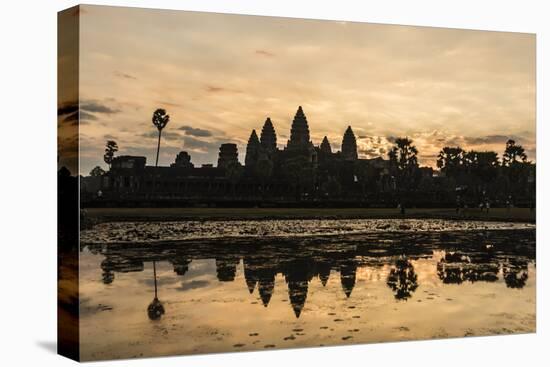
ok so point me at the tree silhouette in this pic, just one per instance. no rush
(160, 120)
(97, 171)
(516, 168)
(110, 149)
(515, 274)
(404, 162)
(402, 279)
(450, 160)
(403, 154)
(512, 153)
(483, 165)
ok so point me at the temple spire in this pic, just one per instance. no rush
(252, 149)
(265, 289)
(299, 133)
(325, 146)
(268, 138)
(349, 145)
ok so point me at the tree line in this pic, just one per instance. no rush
(476, 171)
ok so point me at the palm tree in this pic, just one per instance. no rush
(403, 155)
(160, 120)
(402, 279)
(515, 167)
(450, 160)
(404, 164)
(483, 165)
(513, 153)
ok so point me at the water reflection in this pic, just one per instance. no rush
(155, 310)
(515, 273)
(402, 279)
(461, 258)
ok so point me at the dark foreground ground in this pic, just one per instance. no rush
(169, 214)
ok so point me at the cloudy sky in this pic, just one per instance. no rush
(220, 76)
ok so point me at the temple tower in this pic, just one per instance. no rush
(265, 289)
(226, 268)
(299, 133)
(228, 155)
(349, 145)
(325, 146)
(252, 149)
(268, 138)
(183, 160)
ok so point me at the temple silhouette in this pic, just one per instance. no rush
(299, 173)
(303, 174)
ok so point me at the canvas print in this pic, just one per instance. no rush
(234, 183)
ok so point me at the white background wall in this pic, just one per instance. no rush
(28, 181)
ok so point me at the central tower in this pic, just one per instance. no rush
(299, 133)
(268, 138)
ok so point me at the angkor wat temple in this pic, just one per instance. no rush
(300, 174)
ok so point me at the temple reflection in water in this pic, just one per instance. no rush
(483, 257)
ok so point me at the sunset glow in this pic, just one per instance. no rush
(220, 76)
